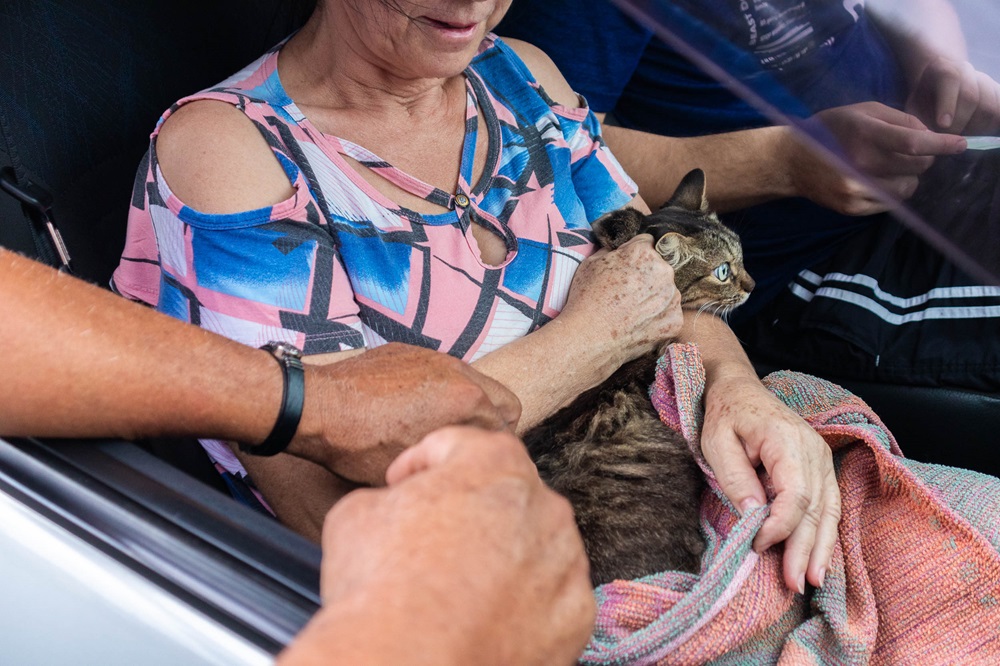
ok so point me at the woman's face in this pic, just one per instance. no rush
(420, 38)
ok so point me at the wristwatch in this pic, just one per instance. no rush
(293, 396)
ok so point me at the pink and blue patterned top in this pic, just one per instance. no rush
(340, 266)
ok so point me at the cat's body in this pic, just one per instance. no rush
(632, 481)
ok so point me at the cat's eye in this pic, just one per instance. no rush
(722, 272)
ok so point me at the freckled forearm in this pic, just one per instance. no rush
(720, 349)
(549, 368)
(106, 367)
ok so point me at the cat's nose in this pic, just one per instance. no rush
(748, 284)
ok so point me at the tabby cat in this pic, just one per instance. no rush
(632, 481)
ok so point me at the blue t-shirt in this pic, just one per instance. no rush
(822, 52)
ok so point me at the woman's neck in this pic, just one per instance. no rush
(327, 65)
(344, 90)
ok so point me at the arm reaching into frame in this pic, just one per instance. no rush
(466, 528)
(113, 368)
(117, 369)
(753, 166)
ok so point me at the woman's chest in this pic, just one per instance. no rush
(428, 283)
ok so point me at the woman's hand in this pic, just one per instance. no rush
(625, 300)
(620, 305)
(745, 426)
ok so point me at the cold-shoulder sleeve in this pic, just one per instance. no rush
(268, 274)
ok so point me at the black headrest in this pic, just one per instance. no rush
(82, 83)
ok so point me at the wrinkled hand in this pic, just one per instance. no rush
(891, 147)
(469, 550)
(954, 97)
(745, 426)
(362, 412)
(626, 298)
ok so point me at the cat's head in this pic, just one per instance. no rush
(706, 255)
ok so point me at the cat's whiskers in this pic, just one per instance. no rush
(727, 309)
(715, 305)
(722, 311)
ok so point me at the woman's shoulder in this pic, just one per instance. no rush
(538, 68)
(217, 161)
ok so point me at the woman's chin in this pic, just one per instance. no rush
(442, 64)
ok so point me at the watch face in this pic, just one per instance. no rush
(283, 349)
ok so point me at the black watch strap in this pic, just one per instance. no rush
(293, 397)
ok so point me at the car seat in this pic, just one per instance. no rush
(941, 425)
(82, 83)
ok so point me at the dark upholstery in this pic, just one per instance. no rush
(82, 83)
(946, 426)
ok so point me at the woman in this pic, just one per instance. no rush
(394, 172)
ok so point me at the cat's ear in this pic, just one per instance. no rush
(675, 248)
(618, 227)
(690, 194)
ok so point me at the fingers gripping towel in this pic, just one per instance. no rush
(915, 577)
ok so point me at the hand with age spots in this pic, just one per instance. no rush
(626, 299)
(745, 427)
